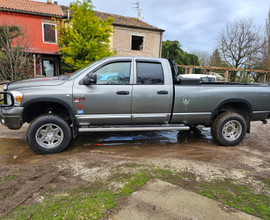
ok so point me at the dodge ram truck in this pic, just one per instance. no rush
(129, 94)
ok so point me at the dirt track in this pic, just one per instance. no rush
(24, 173)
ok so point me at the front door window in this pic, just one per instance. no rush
(114, 73)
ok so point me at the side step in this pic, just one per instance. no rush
(135, 128)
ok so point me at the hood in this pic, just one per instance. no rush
(53, 81)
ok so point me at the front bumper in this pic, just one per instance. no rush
(11, 117)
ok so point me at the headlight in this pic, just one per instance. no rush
(17, 98)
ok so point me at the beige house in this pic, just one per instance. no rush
(132, 37)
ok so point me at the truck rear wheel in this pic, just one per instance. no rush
(229, 129)
(48, 134)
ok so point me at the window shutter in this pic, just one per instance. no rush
(49, 33)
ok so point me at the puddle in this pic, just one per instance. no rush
(176, 144)
(196, 144)
(16, 151)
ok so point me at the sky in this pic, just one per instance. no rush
(194, 23)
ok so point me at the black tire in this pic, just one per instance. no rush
(48, 134)
(229, 129)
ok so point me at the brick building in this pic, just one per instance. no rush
(131, 36)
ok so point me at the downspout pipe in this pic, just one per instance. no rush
(160, 45)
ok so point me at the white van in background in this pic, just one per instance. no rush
(204, 78)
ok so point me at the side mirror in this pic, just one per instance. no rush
(90, 78)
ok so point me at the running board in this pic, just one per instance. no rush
(135, 128)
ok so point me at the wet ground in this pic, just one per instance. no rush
(187, 144)
(192, 150)
(196, 144)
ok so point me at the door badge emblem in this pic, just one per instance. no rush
(185, 100)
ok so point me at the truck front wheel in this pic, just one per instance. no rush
(229, 129)
(48, 134)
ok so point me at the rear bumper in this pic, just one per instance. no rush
(11, 117)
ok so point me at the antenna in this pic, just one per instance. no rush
(137, 8)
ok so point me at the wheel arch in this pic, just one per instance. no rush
(48, 101)
(240, 105)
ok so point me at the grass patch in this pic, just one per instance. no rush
(91, 204)
(133, 165)
(17, 171)
(238, 197)
(134, 183)
(94, 202)
(9, 178)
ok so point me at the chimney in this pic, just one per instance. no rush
(55, 2)
(49, 1)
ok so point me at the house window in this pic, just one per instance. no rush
(136, 42)
(49, 33)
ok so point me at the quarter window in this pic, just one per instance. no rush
(114, 73)
(149, 73)
(49, 33)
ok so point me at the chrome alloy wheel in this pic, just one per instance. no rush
(232, 130)
(49, 135)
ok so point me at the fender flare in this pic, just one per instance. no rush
(231, 100)
(59, 101)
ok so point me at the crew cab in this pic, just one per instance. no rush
(129, 94)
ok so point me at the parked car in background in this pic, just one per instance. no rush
(203, 77)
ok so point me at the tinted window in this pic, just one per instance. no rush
(114, 73)
(149, 73)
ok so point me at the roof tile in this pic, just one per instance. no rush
(119, 20)
(56, 10)
(31, 6)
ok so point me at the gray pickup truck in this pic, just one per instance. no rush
(129, 94)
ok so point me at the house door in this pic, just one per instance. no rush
(49, 68)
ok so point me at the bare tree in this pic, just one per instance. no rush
(204, 57)
(241, 41)
(15, 52)
(265, 63)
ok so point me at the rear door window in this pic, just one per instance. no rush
(149, 73)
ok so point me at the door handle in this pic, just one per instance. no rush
(122, 92)
(163, 92)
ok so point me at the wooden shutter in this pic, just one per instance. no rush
(49, 33)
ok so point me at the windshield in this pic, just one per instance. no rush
(82, 70)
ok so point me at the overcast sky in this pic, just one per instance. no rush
(194, 23)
